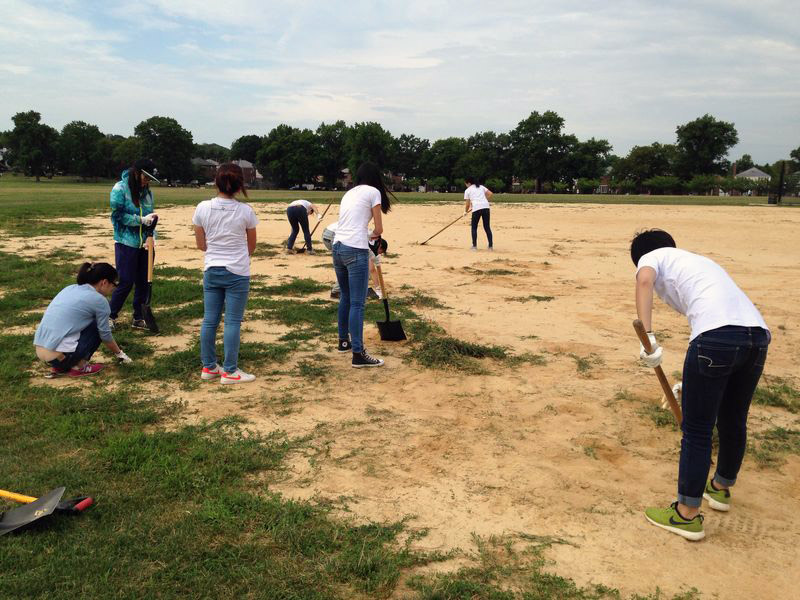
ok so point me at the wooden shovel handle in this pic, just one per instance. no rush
(384, 293)
(150, 263)
(662, 379)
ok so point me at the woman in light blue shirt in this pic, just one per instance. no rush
(76, 321)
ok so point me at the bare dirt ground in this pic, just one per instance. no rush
(545, 450)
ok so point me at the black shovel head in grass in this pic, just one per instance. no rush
(19, 517)
(390, 331)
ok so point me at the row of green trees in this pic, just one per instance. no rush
(538, 154)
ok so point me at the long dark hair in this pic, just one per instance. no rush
(135, 184)
(473, 181)
(369, 174)
(230, 179)
(93, 273)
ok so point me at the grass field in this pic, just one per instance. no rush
(24, 203)
(189, 510)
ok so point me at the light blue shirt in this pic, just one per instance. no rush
(72, 310)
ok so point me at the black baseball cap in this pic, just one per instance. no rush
(148, 167)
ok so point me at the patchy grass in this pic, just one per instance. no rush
(422, 300)
(769, 448)
(295, 287)
(513, 568)
(778, 392)
(529, 298)
(584, 364)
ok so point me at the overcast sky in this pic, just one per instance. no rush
(625, 71)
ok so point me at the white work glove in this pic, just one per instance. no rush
(653, 359)
(148, 219)
(319, 217)
(123, 358)
(676, 391)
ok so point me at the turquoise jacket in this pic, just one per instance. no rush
(127, 217)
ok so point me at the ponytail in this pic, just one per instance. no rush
(93, 273)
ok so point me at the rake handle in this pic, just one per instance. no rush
(442, 229)
(324, 212)
(662, 378)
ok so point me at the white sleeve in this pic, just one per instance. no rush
(648, 260)
(466, 194)
(376, 200)
(252, 219)
(196, 217)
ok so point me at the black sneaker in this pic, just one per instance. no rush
(362, 359)
(344, 346)
(139, 324)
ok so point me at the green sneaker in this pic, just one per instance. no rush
(717, 499)
(669, 519)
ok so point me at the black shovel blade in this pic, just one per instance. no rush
(19, 517)
(390, 331)
(149, 317)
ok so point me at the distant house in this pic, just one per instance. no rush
(205, 168)
(754, 174)
(249, 170)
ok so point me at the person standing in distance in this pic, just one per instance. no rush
(726, 356)
(298, 213)
(477, 199)
(132, 215)
(225, 229)
(363, 203)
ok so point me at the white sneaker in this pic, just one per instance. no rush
(238, 377)
(209, 374)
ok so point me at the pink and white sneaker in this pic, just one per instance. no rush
(238, 377)
(87, 369)
(209, 374)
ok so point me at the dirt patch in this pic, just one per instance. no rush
(546, 450)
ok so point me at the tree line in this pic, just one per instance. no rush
(538, 155)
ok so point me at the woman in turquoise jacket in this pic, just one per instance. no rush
(132, 216)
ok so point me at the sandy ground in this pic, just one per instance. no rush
(544, 450)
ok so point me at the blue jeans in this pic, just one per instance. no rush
(132, 270)
(477, 215)
(88, 343)
(298, 217)
(720, 374)
(352, 273)
(221, 288)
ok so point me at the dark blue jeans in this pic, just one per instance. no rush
(298, 217)
(477, 215)
(352, 273)
(88, 343)
(222, 290)
(720, 374)
(132, 270)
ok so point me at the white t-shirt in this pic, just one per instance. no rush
(699, 288)
(355, 213)
(305, 203)
(226, 223)
(477, 197)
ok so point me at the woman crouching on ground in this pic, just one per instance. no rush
(225, 229)
(363, 203)
(76, 321)
(298, 213)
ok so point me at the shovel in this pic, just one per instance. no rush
(391, 331)
(324, 212)
(149, 317)
(662, 379)
(37, 508)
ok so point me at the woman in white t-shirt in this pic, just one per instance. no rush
(477, 199)
(363, 203)
(298, 213)
(724, 361)
(225, 229)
